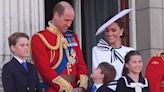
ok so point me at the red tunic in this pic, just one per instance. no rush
(155, 73)
(41, 57)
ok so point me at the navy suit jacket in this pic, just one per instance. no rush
(103, 88)
(16, 79)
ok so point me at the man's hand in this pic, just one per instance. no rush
(162, 84)
(78, 89)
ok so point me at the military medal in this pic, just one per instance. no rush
(72, 57)
(72, 60)
(73, 53)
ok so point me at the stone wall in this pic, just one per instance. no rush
(150, 27)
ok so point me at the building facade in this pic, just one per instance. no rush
(149, 27)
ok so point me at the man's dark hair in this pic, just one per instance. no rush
(109, 72)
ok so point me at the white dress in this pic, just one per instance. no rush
(114, 56)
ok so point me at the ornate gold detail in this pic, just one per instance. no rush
(60, 44)
(83, 81)
(159, 53)
(64, 85)
(53, 29)
(47, 44)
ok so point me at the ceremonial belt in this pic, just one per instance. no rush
(69, 78)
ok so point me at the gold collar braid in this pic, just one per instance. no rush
(60, 44)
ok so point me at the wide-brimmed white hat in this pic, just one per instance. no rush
(113, 19)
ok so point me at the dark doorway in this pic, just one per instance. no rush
(94, 14)
(49, 5)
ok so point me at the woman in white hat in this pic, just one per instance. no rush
(111, 49)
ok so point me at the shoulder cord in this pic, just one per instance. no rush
(61, 43)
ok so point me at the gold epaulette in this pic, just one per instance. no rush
(47, 44)
(159, 53)
(64, 85)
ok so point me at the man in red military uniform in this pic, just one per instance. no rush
(57, 55)
(155, 73)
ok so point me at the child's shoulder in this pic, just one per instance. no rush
(104, 88)
(8, 65)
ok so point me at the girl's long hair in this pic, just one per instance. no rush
(127, 59)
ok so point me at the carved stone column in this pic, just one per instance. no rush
(18, 16)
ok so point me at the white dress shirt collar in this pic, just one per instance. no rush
(98, 85)
(19, 60)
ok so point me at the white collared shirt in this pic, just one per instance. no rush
(20, 60)
(98, 86)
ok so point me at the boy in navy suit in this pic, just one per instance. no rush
(18, 75)
(102, 76)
